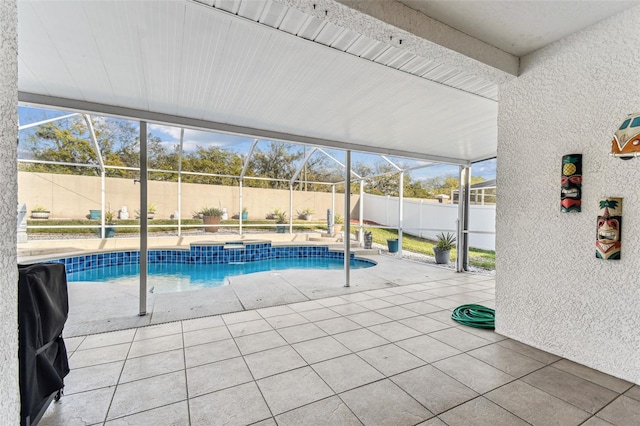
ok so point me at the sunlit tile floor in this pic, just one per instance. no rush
(389, 356)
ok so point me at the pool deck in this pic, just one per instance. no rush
(107, 307)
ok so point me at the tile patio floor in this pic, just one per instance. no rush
(389, 356)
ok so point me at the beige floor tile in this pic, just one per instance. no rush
(573, 389)
(390, 359)
(421, 307)
(152, 365)
(622, 411)
(445, 303)
(93, 377)
(634, 393)
(346, 372)
(239, 405)
(337, 325)
(596, 421)
(85, 408)
(349, 309)
(357, 297)
(384, 403)
(327, 412)
(155, 345)
(210, 352)
(375, 304)
(481, 412)
(432, 422)
(238, 317)
(424, 324)
(398, 299)
(535, 406)
(274, 311)
(287, 320)
(486, 334)
(505, 359)
(206, 335)
(216, 376)
(249, 327)
(320, 314)
(602, 379)
(160, 330)
(359, 340)
(305, 306)
(293, 389)
(444, 316)
(142, 395)
(433, 389)
(397, 312)
(107, 339)
(394, 331)
(170, 415)
(267, 422)
(332, 301)
(300, 333)
(422, 296)
(320, 349)
(368, 318)
(473, 373)
(259, 342)
(531, 352)
(274, 361)
(200, 323)
(72, 343)
(97, 356)
(427, 348)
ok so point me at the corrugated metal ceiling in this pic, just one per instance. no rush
(271, 71)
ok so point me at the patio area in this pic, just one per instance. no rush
(383, 352)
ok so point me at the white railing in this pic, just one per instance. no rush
(426, 219)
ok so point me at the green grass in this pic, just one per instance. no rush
(169, 225)
(485, 259)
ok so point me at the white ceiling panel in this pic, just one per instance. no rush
(179, 61)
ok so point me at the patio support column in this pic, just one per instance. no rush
(143, 218)
(180, 183)
(291, 208)
(462, 259)
(400, 212)
(333, 204)
(361, 214)
(103, 189)
(347, 221)
(240, 206)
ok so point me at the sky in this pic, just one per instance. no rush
(241, 144)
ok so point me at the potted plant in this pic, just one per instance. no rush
(109, 231)
(151, 211)
(442, 249)
(211, 216)
(39, 212)
(338, 221)
(281, 219)
(305, 214)
(245, 213)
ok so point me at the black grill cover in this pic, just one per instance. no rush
(43, 307)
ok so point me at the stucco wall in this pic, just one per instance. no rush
(9, 389)
(551, 291)
(71, 197)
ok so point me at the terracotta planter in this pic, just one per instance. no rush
(211, 220)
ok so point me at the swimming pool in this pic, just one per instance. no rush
(202, 265)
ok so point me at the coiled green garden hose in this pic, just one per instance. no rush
(473, 315)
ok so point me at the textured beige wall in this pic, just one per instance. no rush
(551, 290)
(72, 197)
(9, 388)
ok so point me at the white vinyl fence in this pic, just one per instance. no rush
(426, 219)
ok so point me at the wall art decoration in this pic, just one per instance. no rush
(571, 183)
(626, 140)
(609, 230)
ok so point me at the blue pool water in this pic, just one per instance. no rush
(172, 277)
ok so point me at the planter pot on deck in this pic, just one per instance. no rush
(442, 256)
(40, 215)
(211, 220)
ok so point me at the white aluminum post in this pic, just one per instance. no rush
(333, 204)
(240, 206)
(291, 208)
(464, 198)
(180, 183)
(347, 221)
(143, 218)
(361, 214)
(400, 212)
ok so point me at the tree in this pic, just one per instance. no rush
(277, 162)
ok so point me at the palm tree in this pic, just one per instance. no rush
(606, 204)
